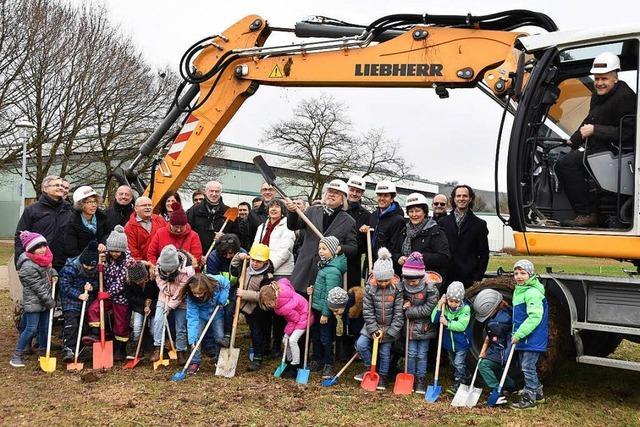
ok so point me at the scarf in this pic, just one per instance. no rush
(327, 210)
(412, 232)
(43, 260)
(459, 217)
(322, 263)
(268, 230)
(91, 225)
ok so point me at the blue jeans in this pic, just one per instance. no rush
(180, 321)
(32, 324)
(417, 360)
(138, 319)
(322, 337)
(214, 335)
(528, 362)
(459, 361)
(363, 347)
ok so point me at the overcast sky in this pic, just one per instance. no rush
(445, 140)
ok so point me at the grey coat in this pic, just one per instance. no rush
(424, 299)
(36, 286)
(382, 310)
(343, 228)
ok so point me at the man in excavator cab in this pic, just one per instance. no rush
(601, 131)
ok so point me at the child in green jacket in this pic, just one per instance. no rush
(530, 330)
(331, 267)
(455, 314)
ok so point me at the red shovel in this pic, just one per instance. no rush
(371, 378)
(103, 350)
(132, 363)
(230, 214)
(404, 380)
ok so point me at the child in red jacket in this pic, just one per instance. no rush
(286, 302)
(179, 234)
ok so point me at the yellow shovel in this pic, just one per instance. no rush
(173, 354)
(47, 363)
(162, 361)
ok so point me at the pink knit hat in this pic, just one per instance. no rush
(30, 240)
(413, 267)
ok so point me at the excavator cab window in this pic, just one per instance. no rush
(561, 108)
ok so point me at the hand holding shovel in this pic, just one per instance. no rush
(47, 363)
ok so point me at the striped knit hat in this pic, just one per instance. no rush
(413, 267)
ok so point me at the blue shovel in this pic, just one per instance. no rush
(181, 375)
(495, 394)
(434, 390)
(283, 364)
(303, 373)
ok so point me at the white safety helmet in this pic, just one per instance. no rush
(605, 62)
(357, 182)
(385, 187)
(416, 199)
(82, 193)
(338, 184)
(485, 303)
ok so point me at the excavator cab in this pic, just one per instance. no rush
(553, 105)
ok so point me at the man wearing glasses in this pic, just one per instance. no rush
(260, 214)
(439, 207)
(48, 216)
(142, 226)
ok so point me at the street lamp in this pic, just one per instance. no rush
(25, 128)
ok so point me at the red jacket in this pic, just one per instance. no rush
(138, 238)
(187, 241)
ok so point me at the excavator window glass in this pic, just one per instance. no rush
(590, 182)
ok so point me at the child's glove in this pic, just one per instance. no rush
(103, 296)
(50, 304)
(88, 287)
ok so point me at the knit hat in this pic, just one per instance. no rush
(30, 240)
(332, 243)
(526, 265)
(117, 240)
(178, 215)
(168, 260)
(89, 255)
(413, 267)
(383, 267)
(455, 291)
(137, 272)
(337, 298)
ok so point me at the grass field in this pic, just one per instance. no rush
(577, 394)
(566, 264)
(6, 250)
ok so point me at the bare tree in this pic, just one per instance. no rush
(320, 141)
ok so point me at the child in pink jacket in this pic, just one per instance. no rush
(287, 303)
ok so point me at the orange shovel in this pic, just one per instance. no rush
(102, 350)
(230, 214)
(404, 380)
(370, 379)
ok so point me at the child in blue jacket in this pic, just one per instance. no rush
(490, 307)
(530, 330)
(203, 293)
(455, 314)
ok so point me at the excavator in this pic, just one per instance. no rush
(543, 80)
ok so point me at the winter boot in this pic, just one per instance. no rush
(182, 357)
(91, 337)
(68, 355)
(539, 395)
(255, 364)
(16, 360)
(119, 351)
(156, 354)
(382, 383)
(418, 386)
(291, 371)
(315, 366)
(132, 346)
(193, 368)
(358, 377)
(327, 371)
(527, 401)
(453, 389)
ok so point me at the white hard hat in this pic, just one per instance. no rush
(605, 62)
(385, 187)
(82, 193)
(338, 184)
(415, 199)
(357, 182)
(485, 303)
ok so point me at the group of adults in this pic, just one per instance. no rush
(453, 243)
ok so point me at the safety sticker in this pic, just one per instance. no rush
(276, 73)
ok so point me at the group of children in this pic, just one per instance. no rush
(174, 298)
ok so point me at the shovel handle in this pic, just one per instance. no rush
(344, 368)
(82, 310)
(506, 367)
(236, 314)
(213, 244)
(475, 374)
(284, 351)
(166, 324)
(204, 331)
(374, 351)
(50, 327)
(369, 252)
(306, 338)
(439, 353)
(144, 324)
(406, 346)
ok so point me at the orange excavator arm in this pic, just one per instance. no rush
(226, 69)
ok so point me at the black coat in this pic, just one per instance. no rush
(469, 248)
(605, 113)
(432, 243)
(136, 295)
(257, 217)
(354, 263)
(387, 227)
(49, 218)
(244, 233)
(118, 214)
(206, 224)
(77, 236)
